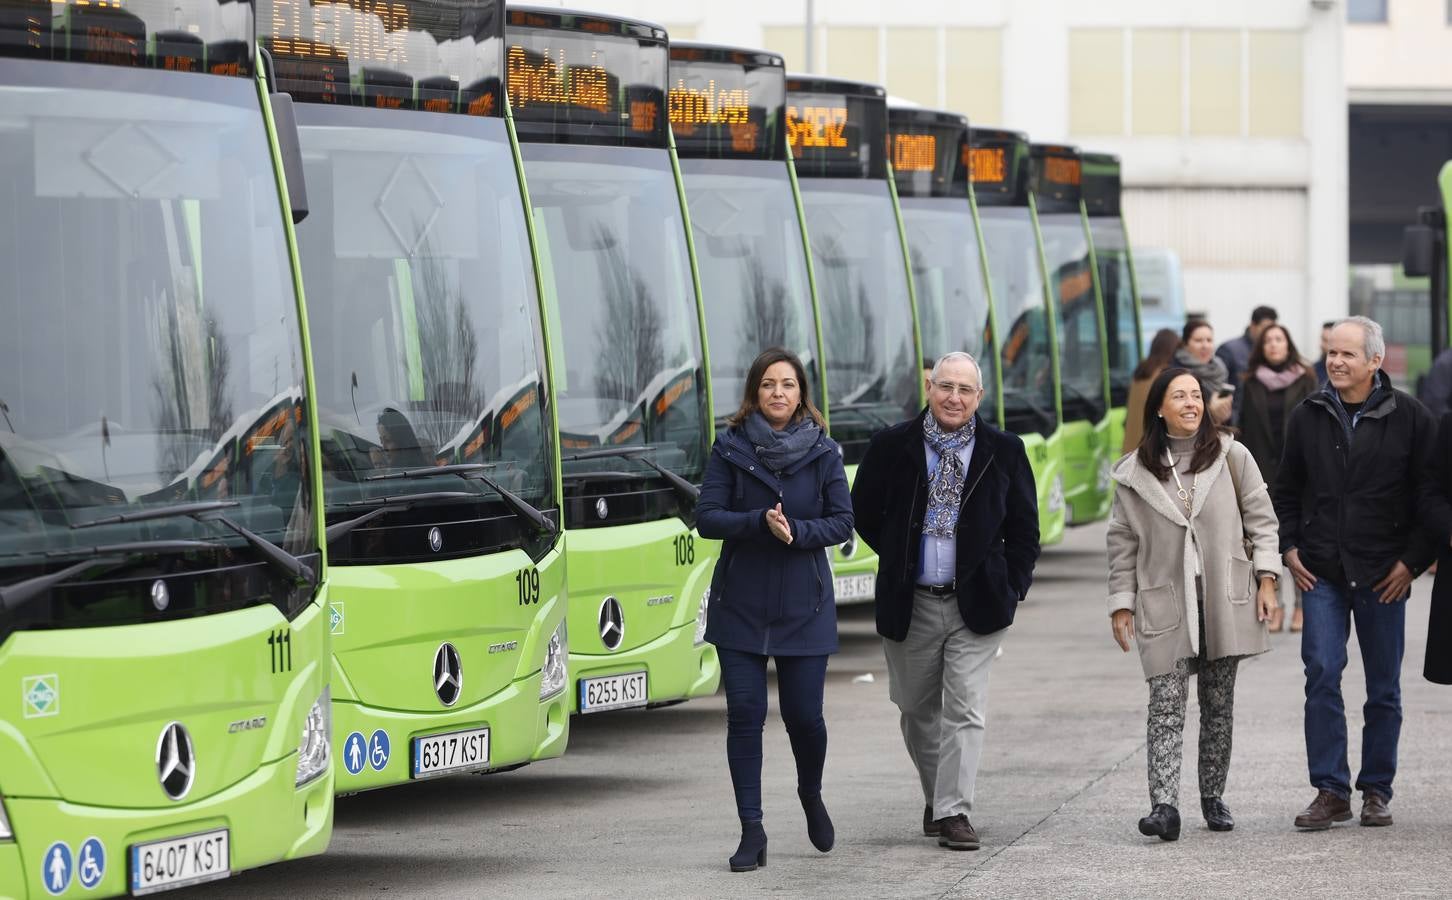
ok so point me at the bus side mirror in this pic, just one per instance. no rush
(289, 145)
(1418, 251)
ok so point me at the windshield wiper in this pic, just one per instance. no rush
(210, 511)
(683, 487)
(384, 506)
(14, 596)
(476, 472)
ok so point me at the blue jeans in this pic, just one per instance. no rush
(1380, 631)
(800, 681)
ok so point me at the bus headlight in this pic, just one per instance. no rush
(1056, 494)
(315, 747)
(557, 651)
(5, 833)
(702, 612)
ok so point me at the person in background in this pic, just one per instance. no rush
(1192, 577)
(1235, 353)
(1436, 392)
(1320, 366)
(775, 493)
(1347, 493)
(1161, 351)
(1276, 382)
(1436, 508)
(1197, 353)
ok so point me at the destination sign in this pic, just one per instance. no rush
(998, 167)
(837, 129)
(726, 103)
(929, 152)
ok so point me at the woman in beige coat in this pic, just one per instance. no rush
(1193, 557)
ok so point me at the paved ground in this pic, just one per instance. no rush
(641, 806)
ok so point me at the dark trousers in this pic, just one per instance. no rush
(800, 680)
(1381, 633)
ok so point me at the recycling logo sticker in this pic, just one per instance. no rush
(41, 695)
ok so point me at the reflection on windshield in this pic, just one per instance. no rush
(422, 302)
(753, 270)
(1112, 254)
(628, 339)
(1081, 360)
(1026, 354)
(150, 353)
(948, 280)
(872, 369)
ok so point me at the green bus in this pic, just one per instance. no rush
(437, 433)
(1114, 268)
(1424, 255)
(163, 607)
(628, 354)
(1028, 357)
(1055, 180)
(930, 156)
(728, 116)
(837, 131)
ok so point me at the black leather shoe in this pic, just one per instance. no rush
(751, 854)
(1373, 810)
(1217, 814)
(819, 824)
(1163, 822)
(931, 828)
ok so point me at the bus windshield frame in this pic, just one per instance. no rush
(1026, 348)
(1076, 308)
(1117, 287)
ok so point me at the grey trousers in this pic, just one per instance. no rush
(938, 677)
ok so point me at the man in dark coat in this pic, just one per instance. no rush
(1356, 459)
(1437, 519)
(1235, 353)
(949, 504)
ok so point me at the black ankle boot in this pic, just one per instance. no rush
(1217, 814)
(1162, 822)
(819, 824)
(751, 855)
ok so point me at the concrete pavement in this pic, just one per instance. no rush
(641, 805)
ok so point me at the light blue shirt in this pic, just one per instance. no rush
(937, 556)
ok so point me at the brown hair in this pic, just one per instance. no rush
(768, 358)
(1161, 350)
(1257, 355)
(1193, 325)
(1155, 444)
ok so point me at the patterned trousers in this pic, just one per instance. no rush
(1215, 686)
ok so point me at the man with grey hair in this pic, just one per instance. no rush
(949, 504)
(1358, 454)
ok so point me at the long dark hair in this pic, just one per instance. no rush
(1257, 355)
(1155, 445)
(768, 358)
(1161, 350)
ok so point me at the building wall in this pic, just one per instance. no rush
(1404, 60)
(1230, 117)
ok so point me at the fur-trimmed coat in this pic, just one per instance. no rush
(1153, 549)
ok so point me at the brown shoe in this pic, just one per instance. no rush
(1373, 810)
(1297, 620)
(1326, 809)
(931, 828)
(1277, 618)
(957, 834)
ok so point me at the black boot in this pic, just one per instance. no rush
(751, 855)
(1217, 814)
(1162, 822)
(819, 824)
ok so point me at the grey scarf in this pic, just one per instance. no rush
(778, 450)
(1213, 375)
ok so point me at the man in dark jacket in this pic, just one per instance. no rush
(949, 504)
(1357, 455)
(1235, 353)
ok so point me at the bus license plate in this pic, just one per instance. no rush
(452, 752)
(854, 587)
(613, 692)
(163, 865)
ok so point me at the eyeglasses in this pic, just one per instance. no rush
(958, 390)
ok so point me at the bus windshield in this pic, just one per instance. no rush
(627, 337)
(1081, 360)
(151, 354)
(1111, 252)
(753, 270)
(422, 302)
(1027, 355)
(862, 287)
(948, 279)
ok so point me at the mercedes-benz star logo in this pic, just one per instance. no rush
(448, 674)
(612, 623)
(160, 596)
(436, 539)
(176, 760)
(602, 509)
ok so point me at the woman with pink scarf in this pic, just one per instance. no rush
(1276, 381)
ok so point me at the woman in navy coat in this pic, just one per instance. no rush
(776, 494)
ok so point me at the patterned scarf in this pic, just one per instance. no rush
(945, 490)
